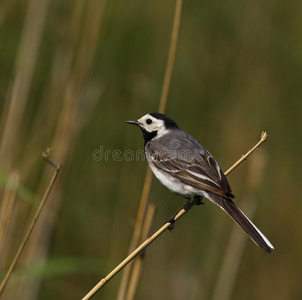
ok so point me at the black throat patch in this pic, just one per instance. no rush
(148, 136)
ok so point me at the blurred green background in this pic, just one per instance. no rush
(73, 71)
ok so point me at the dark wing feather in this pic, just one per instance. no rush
(194, 166)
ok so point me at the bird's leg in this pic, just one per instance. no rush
(198, 200)
(172, 219)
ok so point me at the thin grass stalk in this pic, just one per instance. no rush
(136, 232)
(19, 93)
(6, 210)
(263, 138)
(171, 56)
(148, 178)
(138, 264)
(147, 242)
(237, 241)
(30, 229)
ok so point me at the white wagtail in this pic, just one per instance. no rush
(186, 168)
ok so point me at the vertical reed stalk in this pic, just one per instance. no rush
(148, 179)
(6, 210)
(19, 94)
(137, 266)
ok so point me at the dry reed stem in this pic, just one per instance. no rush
(137, 266)
(148, 179)
(263, 138)
(26, 59)
(137, 231)
(171, 56)
(31, 227)
(7, 208)
(148, 241)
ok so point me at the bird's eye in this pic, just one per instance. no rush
(149, 121)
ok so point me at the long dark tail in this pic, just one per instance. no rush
(243, 221)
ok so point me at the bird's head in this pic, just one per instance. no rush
(154, 124)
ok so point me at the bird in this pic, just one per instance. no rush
(188, 169)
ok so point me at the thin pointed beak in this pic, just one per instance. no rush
(133, 122)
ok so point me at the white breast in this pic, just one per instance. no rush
(172, 183)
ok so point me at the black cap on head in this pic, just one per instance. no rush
(169, 123)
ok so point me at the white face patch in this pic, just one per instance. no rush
(152, 124)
